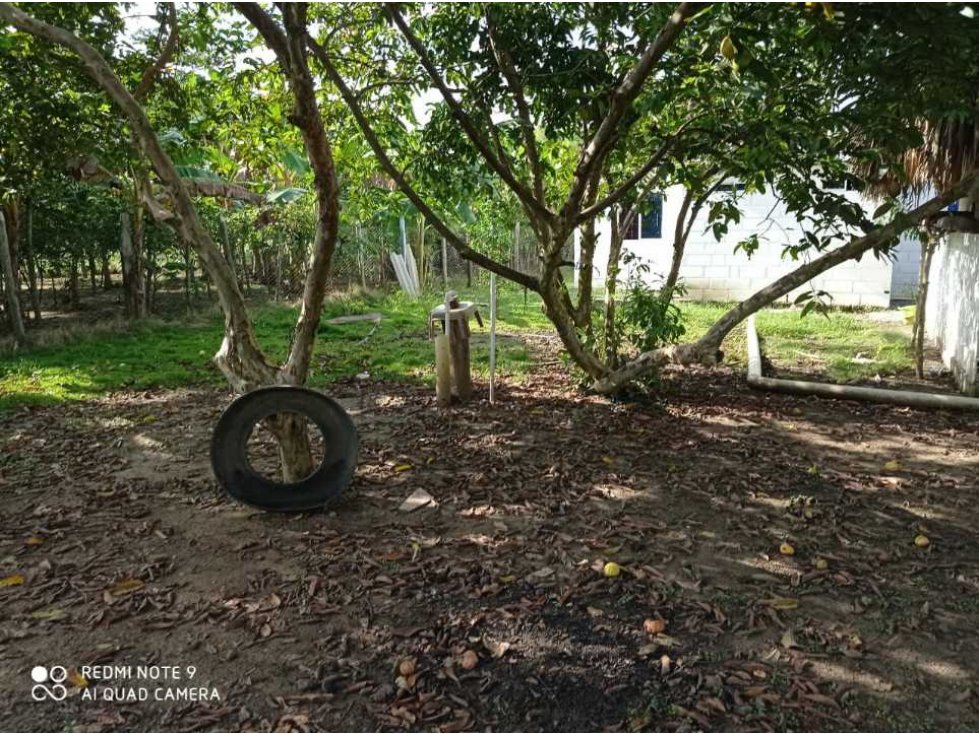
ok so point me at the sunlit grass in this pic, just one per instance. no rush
(170, 354)
(152, 354)
(843, 345)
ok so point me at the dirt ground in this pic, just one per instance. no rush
(489, 610)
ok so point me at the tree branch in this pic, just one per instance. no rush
(681, 233)
(505, 61)
(152, 71)
(456, 241)
(498, 164)
(626, 186)
(596, 150)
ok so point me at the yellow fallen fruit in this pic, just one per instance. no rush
(654, 626)
(821, 564)
(611, 569)
(894, 465)
(406, 667)
(15, 580)
(786, 550)
(922, 541)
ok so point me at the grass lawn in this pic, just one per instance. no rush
(844, 347)
(174, 353)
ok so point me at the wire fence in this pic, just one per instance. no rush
(363, 260)
(269, 262)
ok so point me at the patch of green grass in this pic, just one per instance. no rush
(170, 354)
(844, 346)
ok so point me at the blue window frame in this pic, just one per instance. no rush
(649, 224)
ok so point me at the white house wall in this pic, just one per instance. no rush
(712, 270)
(904, 278)
(952, 313)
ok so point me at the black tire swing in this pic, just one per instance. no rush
(229, 450)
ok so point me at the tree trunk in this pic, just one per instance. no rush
(561, 312)
(149, 289)
(245, 272)
(684, 225)
(276, 294)
(611, 286)
(928, 244)
(132, 283)
(679, 244)
(229, 250)
(295, 452)
(187, 277)
(92, 273)
(40, 285)
(106, 273)
(31, 259)
(10, 286)
(588, 238)
(73, 296)
(11, 208)
(141, 295)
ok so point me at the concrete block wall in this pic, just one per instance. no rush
(904, 278)
(712, 270)
(952, 313)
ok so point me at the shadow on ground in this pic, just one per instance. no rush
(490, 610)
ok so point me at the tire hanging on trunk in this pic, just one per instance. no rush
(229, 450)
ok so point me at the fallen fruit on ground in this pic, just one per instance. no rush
(611, 569)
(406, 667)
(654, 626)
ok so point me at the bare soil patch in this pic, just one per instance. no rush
(489, 610)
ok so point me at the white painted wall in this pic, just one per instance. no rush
(904, 275)
(952, 314)
(712, 270)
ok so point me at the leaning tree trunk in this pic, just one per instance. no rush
(706, 349)
(684, 225)
(10, 286)
(928, 244)
(679, 245)
(228, 249)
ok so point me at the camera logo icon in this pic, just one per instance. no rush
(56, 675)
